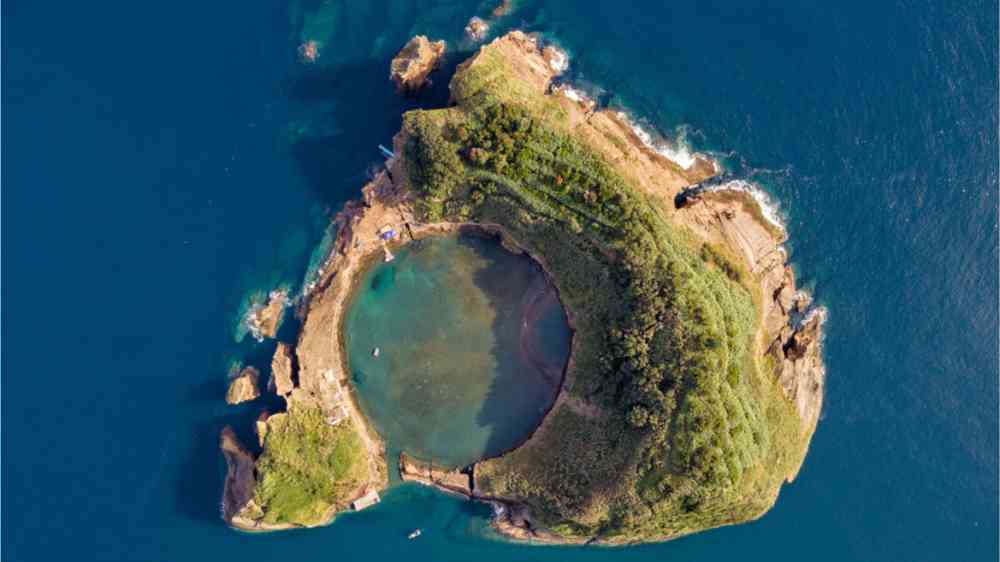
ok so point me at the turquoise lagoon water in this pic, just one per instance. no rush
(465, 368)
(163, 161)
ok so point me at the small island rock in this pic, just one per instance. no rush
(244, 387)
(477, 29)
(264, 320)
(414, 63)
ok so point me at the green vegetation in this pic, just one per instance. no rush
(724, 261)
(308, 467)
(680, 428)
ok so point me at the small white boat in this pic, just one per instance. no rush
(376, 352)
(416, 533)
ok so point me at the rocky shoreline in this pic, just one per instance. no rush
(318, 372)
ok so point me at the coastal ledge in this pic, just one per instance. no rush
(686, 320)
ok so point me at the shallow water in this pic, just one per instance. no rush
(471, 352)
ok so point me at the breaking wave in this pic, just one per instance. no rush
(559, 61)
(768, 207)
(247, 317)
(812, 311)
(678, 150)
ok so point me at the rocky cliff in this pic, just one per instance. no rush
(239, 486)
(791, 333)
(732, 218)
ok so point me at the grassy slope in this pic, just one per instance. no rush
(689, 431)
(308, 468)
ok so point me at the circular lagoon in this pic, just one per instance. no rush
(457, 348)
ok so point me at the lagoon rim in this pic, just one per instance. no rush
(471, 347)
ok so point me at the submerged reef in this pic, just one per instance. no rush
(695, 378)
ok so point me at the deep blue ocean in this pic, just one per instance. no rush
(164, 161)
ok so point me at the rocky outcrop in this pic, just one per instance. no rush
(239, 487)
(450, 480)
(414, 63)
(476, 29)
(244, 387)
(537, 65)
(797, 348)
(265, 319)
(260, 427)
(282, 381)
(792, 330)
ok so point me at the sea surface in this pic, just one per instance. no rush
(164, 162)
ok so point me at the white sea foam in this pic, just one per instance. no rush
(768, 207)
(677, 151)
(252, 321)
(573, 94)
(559, 60)
(818, 311)
(812, 312)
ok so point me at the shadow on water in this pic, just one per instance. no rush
(198, 484)
(343, 112)
(496, 413)
(330, 103)
(340, 113)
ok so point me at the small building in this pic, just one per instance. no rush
(367, 500)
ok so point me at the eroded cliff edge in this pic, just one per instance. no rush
(695, 379)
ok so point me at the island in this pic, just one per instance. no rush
(695, 377)
(413, 64)
(243, 387)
